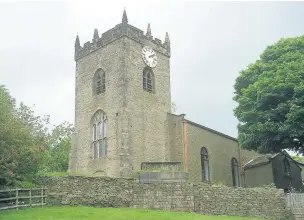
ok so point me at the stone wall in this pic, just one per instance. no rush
(176, 139)
(253, 202)
(93, 191)
(169, 197)
(188, 197)
(221, 150)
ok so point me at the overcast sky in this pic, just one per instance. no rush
(210, 43)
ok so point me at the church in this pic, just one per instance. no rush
(123, 113)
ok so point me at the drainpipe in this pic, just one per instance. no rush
(185, 145)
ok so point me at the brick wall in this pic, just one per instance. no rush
(188, 197)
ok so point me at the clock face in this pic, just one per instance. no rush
(149, 56)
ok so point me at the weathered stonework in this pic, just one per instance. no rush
(141, 127)
(101, 192)
(202, 198)
(161, 166)
(137, 120)
(221, 149)
(163, 177)
(117, 32)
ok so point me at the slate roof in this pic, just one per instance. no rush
(260, 160)
(266, 159)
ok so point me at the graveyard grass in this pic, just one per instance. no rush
(91, 213)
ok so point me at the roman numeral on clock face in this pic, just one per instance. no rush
(149, 56)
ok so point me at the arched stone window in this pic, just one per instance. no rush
(235, 172)
(99, 139)
(99, 82)
(287, 170)
(148, 80)
(205, 164)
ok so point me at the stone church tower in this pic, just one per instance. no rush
(122, 99)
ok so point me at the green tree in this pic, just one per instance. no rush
(17, 151)
(60, 156)
(297, 158)
(54, 143)
(28, 145)
(57, 148)
(60, 143)
(270, 97)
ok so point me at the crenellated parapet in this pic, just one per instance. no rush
(122, 29)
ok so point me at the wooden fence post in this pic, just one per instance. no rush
(41, 196)
(14, 199)
(30, 195)
(17, 200)
(44, 190)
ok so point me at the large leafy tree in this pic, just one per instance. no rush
(55, 143)
(270, 97)
(28, 144)
(16, 143)
(297, 158)
(57, 148)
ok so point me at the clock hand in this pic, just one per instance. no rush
(152, 55)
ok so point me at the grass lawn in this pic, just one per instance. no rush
(90, 213)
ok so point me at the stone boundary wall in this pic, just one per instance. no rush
(201, 198)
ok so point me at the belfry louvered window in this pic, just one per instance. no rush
(148, 80)
(99, 142)
(99, 82)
